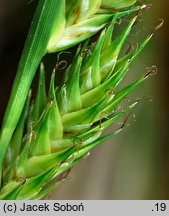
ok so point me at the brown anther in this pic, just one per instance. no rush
(65, 174)
(31, 136)
(132, 47)
(21, 180)
(157, 27)
(118, 21)
(109, 92)
(160, 24)
(64, 52)
(144, 6)
(143, 98)
(139, 14)
(60, 65)
(77, 141)
(125, 121)
(50, 102)
(86, 51)
(151, 71)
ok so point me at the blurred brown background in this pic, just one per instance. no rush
(135, 163)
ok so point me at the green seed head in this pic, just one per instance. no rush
(69, 123)
(59, 127)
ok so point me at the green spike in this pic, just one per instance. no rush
(16, 142)
(40, 145)
(82, 152)
(140, 48)
(10, 190)
(82, 119)
(121, 94)
(69, 94)
(55, 126)
(97, 93)
(90, 73)
(96, 131)
(40, 100)
(124, 63)
(61, 144)
(104, 122)
(20, 167)
(90, 135)
(45, 191)
(66, 75)
(110, 55)
(121, 62)
(44, 162)
(109, 32)
(64, 127)
(33, 185)
(73, 88)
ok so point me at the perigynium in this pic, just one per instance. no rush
(43, 137)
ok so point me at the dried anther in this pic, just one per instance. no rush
(157, 27)
(109, 92)
(118, 21)
(150, 71)
(160, 24)
(144, 6)
(64, 175)
(21, 180)
(61, 64)
(125, 121)
(77, 141)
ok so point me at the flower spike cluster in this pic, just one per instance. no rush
(65, 123)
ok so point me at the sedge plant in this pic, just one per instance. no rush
(42, 137)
